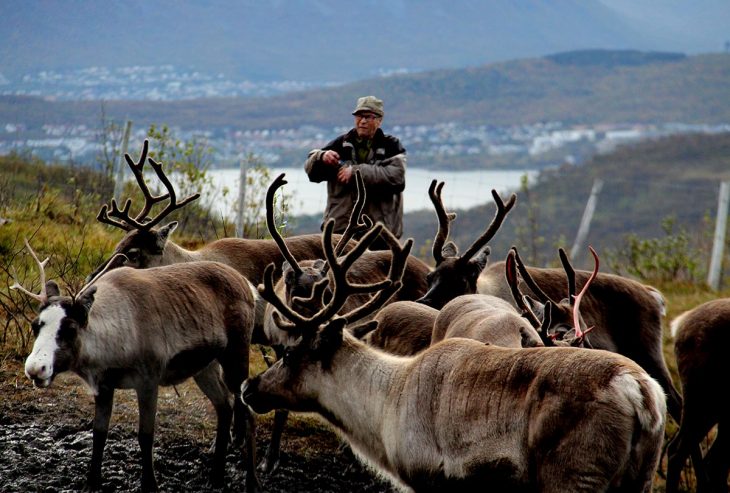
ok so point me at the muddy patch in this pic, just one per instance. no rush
(45, 444)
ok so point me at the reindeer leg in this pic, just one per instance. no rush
(694, 427)
(717, 461)
(147, 402)
(210, 382)
(103, 402)
(271, 459)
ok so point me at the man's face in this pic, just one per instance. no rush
(366, 123)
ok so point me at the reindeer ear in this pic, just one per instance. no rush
(82, 305)
(164, 233)
(481, 260)
(450, 249)
(52, 289)
(319, 264)
(328, 340)
(360, 331)
(537, 308)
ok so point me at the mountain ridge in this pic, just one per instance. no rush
(664, 87)
(322, 40)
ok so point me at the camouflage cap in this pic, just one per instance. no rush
(369, 103)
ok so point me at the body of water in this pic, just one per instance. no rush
(462, 189)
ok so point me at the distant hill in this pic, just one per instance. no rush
(595, 86)
(644, 184)
(328, 40)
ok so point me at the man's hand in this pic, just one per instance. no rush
(344, 174)
(331, 157)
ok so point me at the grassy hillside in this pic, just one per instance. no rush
(644, 184)
(575, 88)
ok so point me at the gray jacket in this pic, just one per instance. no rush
(383, 172)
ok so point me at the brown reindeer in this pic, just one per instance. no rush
(456, 274)
(141, 329)
(299, 279)
(700, 338)
(626, 315)
(492, 320)
(465, 416)
(146, 245)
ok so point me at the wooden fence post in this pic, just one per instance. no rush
(119, 177)
(585, 222)
(241, 199)
(718, 243)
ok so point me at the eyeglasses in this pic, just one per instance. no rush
(367, 117)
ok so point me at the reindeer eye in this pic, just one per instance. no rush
(133, 255)
(35, 326)
(287, 358)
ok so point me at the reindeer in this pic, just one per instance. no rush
(700, 338)
(492, 320)
(140, 329)
(462, 415)
(625, 313)
(299, 279)
(456, 274)
(145, 245)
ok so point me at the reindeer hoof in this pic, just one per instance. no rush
(268, 465)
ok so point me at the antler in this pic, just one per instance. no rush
(121, 217)
(501, 212)
(278, 183)
(342, 288)
(434, 192)
(541, 327)
(355, 226)
(543, 297)
(43, 296)
(114, 262)
(511, 275)
(579, 334)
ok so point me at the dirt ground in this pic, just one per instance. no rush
(45, 443)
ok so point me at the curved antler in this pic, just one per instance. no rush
(278, 183)
(543, 297)
(579, 334)
(355, 225)
(444, 218)
(569, 273)
(117, 260)
(121, 218)
(499, 215)
(341, 287)
(511, 275)
(43, 296)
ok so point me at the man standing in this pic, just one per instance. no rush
(381, 160)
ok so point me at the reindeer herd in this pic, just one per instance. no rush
(488, 378)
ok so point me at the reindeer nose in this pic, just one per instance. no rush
(38, 372)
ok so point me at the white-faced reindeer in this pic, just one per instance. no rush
(300, 278)
(465, 416)
(145, 245)
(140, 329)
(456, 274)
(701, 336)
